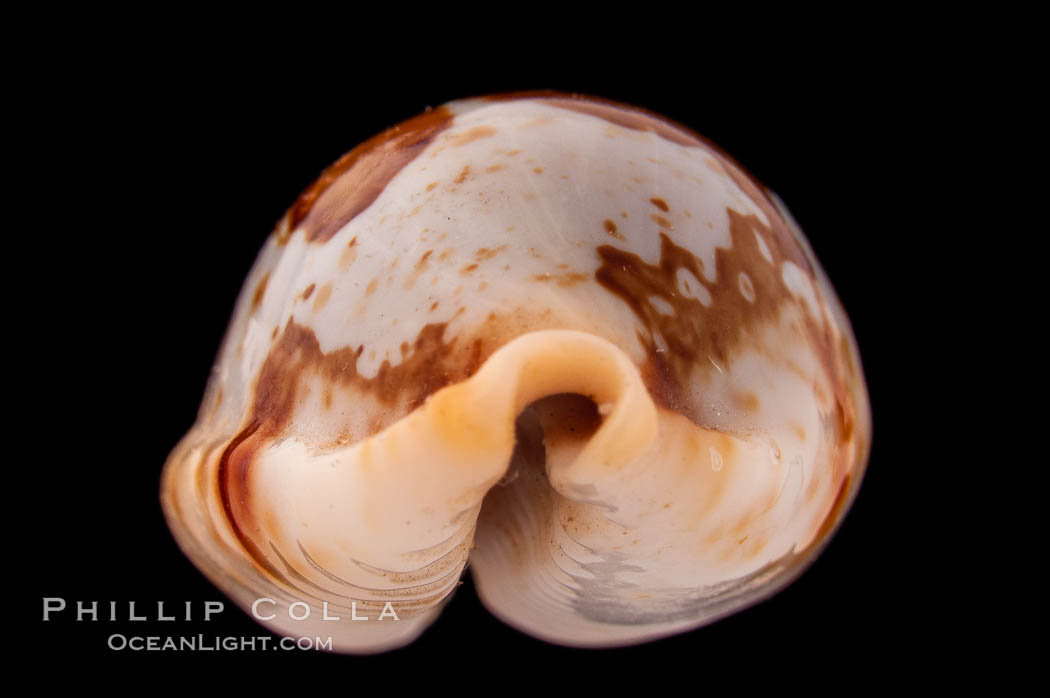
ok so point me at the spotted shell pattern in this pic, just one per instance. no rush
(563, 339)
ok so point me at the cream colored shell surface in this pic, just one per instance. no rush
(561, 340)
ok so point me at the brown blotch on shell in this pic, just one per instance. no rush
(484, 253)
(322, 297)
(610, 228)
(661, 221)
(260, 291)
(308, 291)
(349, 254)
(696, 334)
(420, 266)
(457, 140)
(659, 203)
(357, 179)
(566, 279)
(232, 482)
(749, 402)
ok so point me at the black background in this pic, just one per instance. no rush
(161, 172)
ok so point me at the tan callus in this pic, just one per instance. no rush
(562, 339)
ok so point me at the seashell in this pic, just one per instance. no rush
(561, 339)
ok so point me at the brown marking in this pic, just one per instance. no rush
(446, 254)
(778, 235)
(464, 173)
(309, 290)
(494, 168)
(434, 306)
(421, 266)
(623, 214)
(659, 203)
(371, 288)
(326, 397)
(695, 334)
(610, 228)
(273, 335)
(428, 364)
(844, 420)
(661, 221)
(283, 232)
(537, 170)
(234, 493)
(458, 140)
(749, 402)
(512, 153)
(357, 179)
(469, 268)
(568, 279)
(432, 186)
(799, 431)
(483, 285)
(260, 291)
(485, 253)
(322, 297)
(349, 254)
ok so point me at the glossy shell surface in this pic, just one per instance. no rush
(562, 339)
